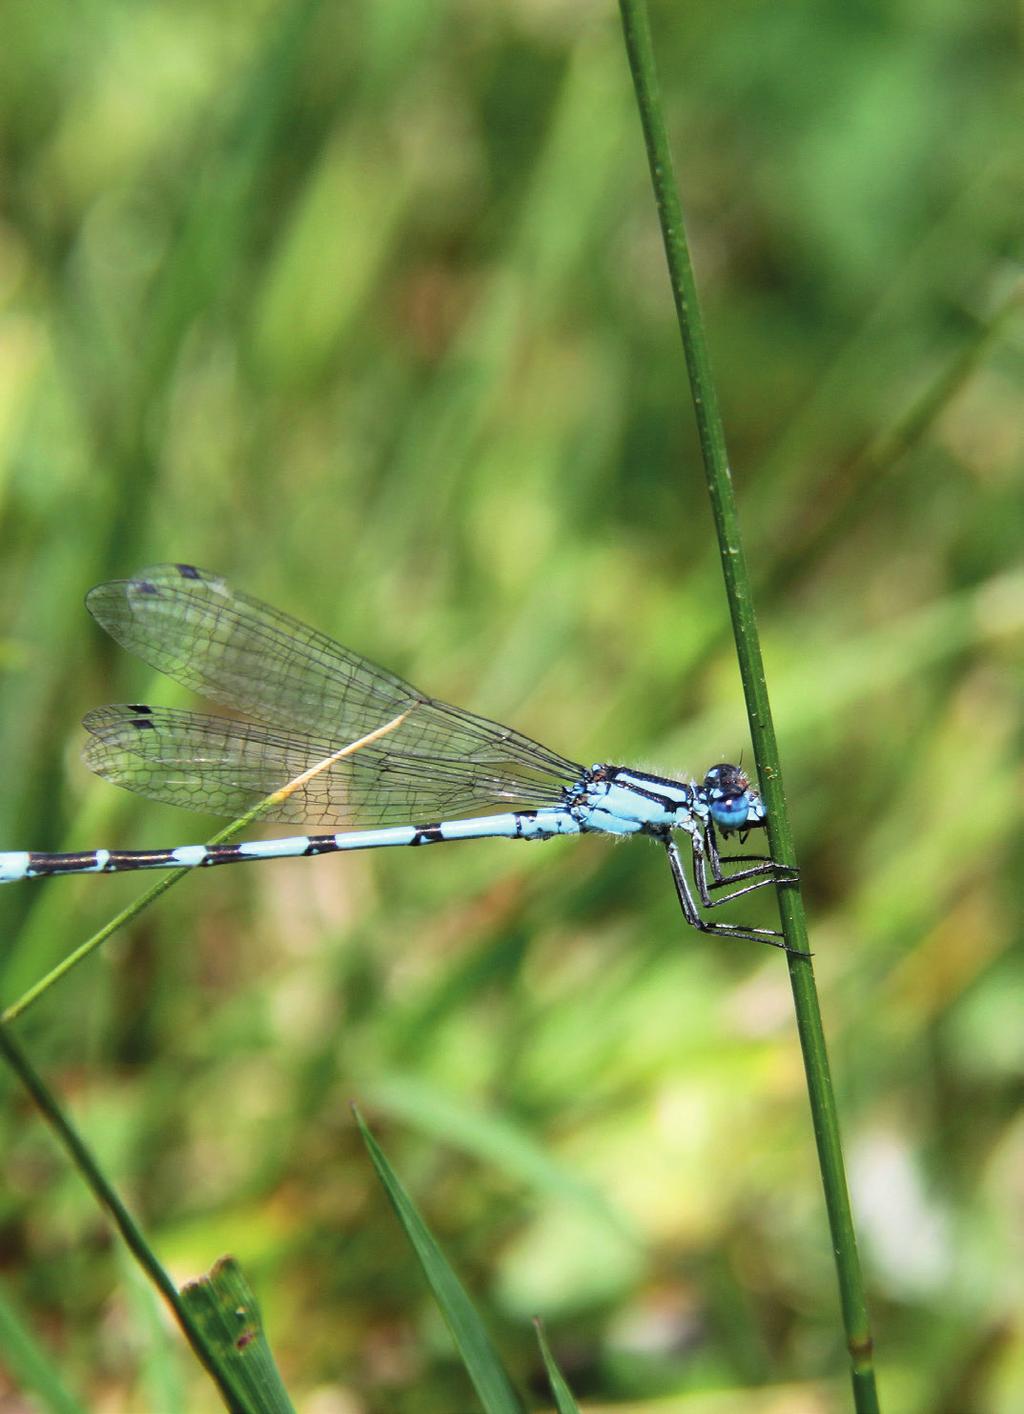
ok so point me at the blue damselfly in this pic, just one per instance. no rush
(332, 739)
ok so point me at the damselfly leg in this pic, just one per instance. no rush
(688, 904)
(764, 870)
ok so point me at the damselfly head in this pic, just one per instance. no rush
(732, 801)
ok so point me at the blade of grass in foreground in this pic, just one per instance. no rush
(225, 1310)
(235, 828)
(210, 1353)
(30, 1367)
(711, 434)
(482, 1363)
(120, 920)
(564, 1401)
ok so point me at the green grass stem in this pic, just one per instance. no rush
(30, 1367)
(107, 1197)
(865, 478)
(132, 911)
(711, 433)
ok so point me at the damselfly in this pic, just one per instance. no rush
(334, 740)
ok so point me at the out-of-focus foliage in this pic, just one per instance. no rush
(364, 305)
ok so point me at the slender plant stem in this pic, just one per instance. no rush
(711, 433)
(106, 1195)
(228, 833)
(866, 474)
(119, 920)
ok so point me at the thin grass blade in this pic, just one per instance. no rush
(564, 1401)
(492, 1384)
(107, 1196)
(714, 454)
(30, 1366)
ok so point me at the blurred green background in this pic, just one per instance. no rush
(364, 306)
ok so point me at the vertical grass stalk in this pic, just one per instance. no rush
(711, 433)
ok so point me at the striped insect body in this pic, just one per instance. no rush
(330, 738)
(625, 802)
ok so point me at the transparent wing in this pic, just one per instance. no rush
(317, 695)
(225, 767)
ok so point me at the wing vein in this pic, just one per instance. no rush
(308, 697)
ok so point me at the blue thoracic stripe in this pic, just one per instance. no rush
(321, 735)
